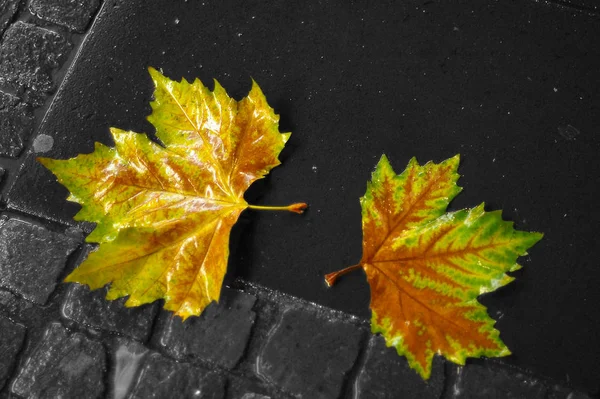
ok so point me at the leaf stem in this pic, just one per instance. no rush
(298, 207)
(332, 277)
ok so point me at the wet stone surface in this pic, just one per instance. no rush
(238, 387)
(11, 339)
(127, 358)
(74, 15)
(31, 258)
(62, 365)
(559, 392)
(16, 123)
(383, 365)
(160, 377)
(8, 8)
(308, 354)
(28, 55)
(218, 336)
(474, 381)
(91, 308)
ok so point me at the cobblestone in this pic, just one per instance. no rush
(383, 365)
(92, 309)
(11, 339)
(8, 8)
(28, 55)
(62, 365)
(239, 388)
(218, 336)
(474, 381)
(25, 250)
(74, 15)
(16, 123)
(163, 378)
(308, 354)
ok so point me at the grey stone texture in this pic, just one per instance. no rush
(16, 124)
(11, 340)
(161, 377)
(62, 365)
(219, 336)
(241, 387)
(309, 354)
(475, 381)
(383, 365)
(72, 14)
(90, 308)
(31, 258)
(28, 55)
(8, 8)
(560, 392)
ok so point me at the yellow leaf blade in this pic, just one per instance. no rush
(163, 214)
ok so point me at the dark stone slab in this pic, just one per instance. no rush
(488, 381)
(11, 339)
(160, 377)
(28, 56)
(16, 123)
(31, 258)
(387, 375)
(93, 309)
(62, 365)
(309, 354)
(218, 336)
(8, 8)
(74, 15)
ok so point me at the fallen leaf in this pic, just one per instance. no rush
(426, 267)
(164, 213)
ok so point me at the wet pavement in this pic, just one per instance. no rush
(512, 87)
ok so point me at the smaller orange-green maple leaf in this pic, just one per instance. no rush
(427, 267)
(163, 214)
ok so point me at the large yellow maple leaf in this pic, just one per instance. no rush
(427, 267)
(164, 213)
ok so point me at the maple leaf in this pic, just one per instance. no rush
(426, 267)
(164, 213)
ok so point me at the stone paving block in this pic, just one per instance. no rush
(245, 388)
(11, 339)
(8, 8)
(28, 55)
(474, 381)
(387, 375)
(93, 309)
(218, 336)
(31, 258)
(72, 14)
(309, 354)
(62, 365)
(164, 378)
(16, 124)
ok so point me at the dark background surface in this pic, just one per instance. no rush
(511, 87)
